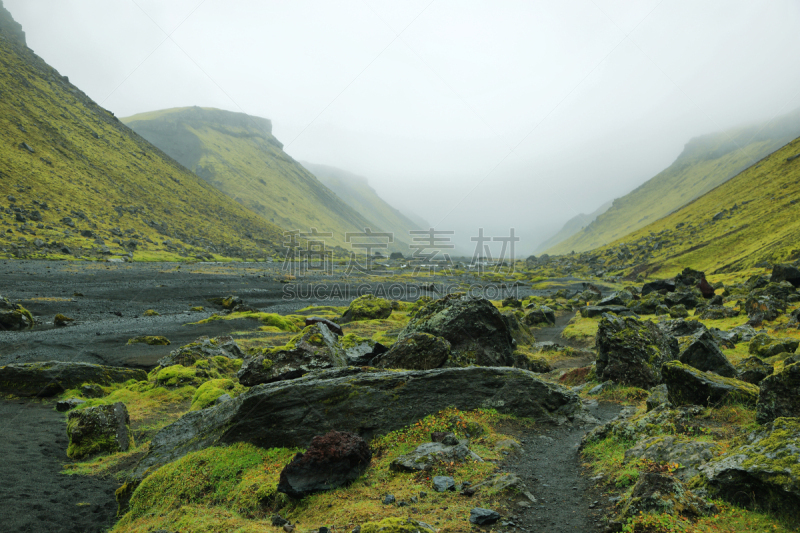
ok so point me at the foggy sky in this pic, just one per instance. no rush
(491, 114)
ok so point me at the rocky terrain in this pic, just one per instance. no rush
(575, 408)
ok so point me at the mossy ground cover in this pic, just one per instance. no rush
(234, 488)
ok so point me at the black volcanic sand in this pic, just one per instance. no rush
(100, 336)
(34, 495)
(549, 464)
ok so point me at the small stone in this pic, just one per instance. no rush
(443, 483)
(278, 520)
(389, 499)
(483, 517)
(66, 405)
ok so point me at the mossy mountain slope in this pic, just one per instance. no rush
(73, 179)
(750, 220)
(357, 193)
(705, 163)
(573, 226)
(237, 154)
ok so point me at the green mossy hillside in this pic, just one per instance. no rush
(237, 154)
(73, 179)
(706, 162)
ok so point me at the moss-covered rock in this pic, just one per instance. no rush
(54, 377)
(418, 351)
(203, 349)
(177, 376)
(539, 314)
(477, 332)
(663, 494)
(659, 395)
(13, 316)
(631, 351)
(690, 386)
(99, 429)
(689, 454)
(661, 420)
(701, 351)
(764, 471)
(780, 395)
(315, 348)
(764, 345)
(207, 394)
(678, 311)
(367, 307)
(753, 370)
(360, 351)
(519, 331)
(62, 320)
(151, 312)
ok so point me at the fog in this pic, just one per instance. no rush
(470, 114)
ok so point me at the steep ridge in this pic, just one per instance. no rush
(74, 181)
(237, 154)
(357, 193)
(705, 163)
(750, 220)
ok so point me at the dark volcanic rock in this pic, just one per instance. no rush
(100, 429)
(316, 348)
(764, 308)
(540, 315)
(681, 328)
(366, 402)
(333, 326)
(477, 332)
(788, 273)
(519, 331)
(616, 298)
(331, 460)
(717, 312)
(675, 449)
(431, 454)
(55, 377)
(660, 285)
(483, 517)
(690, 386)
(701, 351)
(660, 493)
(630, 351)
(686, 299)
(763, 471)
(689, 278)
(203, 348)
(780, 395)
(359, 351)
(13, 316)
(63, 406)
(764, 345)
(705, 289)
(418, 351)
(753, 370)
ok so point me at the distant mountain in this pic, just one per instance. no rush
(706, 162)
(752, 219)
(75, 181)
(573, 226)
(357, 193)
(237, 154)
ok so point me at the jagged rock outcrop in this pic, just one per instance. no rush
(54, 377)
(779, 395)
(363, 401)
(690, 386)
(701, 351)
(631, 351)
(99, 429)
(418, 351)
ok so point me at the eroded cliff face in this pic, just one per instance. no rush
(10, 28)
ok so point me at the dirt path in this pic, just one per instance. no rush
(550, 465)
(34, 496)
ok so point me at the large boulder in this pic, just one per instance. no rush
(688, 299)
(315, 348)
(616, 298)
(363, 401)
(690, 386)
(753, 370)
(660, 286)
(477, 332)
(701, 351)
(631, 351)
(689, 278)
(360, 351)
(760, 308)
(764, 471)
(418, 351)
(520, 332)
(54, 377)
(540, 314)
(689, 454)
(647, 305)
(788, 273)
(680, 327)
(636, 426)
(99, 429)
(718, 312)
(780, 395)
(592, 311)
(202, 348)
(432, 454)
(13, 316)
(367, 307)
(331, 461)
(764, 345)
